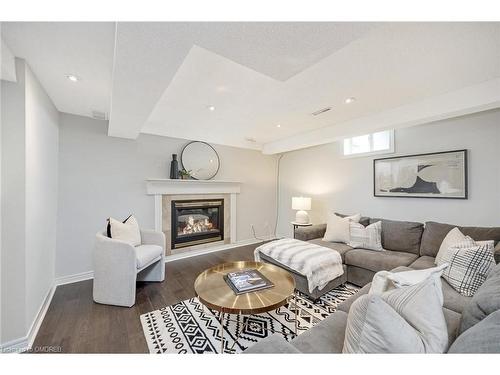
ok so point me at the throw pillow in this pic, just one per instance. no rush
(381, 283)
(369, 237)
(469, 264)
(405, 320)
(453, 237)
(386, 280)
(337, 228)
(127, 231)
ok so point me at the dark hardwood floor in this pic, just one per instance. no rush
(74, 323)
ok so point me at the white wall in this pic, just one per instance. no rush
(101, 176)
(13, 208)
(42, 140)
(29, 199)
(346, 185)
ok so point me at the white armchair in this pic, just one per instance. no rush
(118, 265)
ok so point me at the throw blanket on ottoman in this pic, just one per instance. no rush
(318, 264)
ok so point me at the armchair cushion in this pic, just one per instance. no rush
(146, 254)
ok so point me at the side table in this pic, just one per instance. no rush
(298, 225)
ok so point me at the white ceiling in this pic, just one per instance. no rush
(56, 49)
(159, 78)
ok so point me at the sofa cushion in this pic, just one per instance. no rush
(485, 301)
(484, 337)
(325, 337)
(274, 344)
(145, 254)
(378, 260)
(452, 299)
(423, 263)
(435, 233)
(452, 323)
(401, 235)
(359, 276)
(311, 232)
(340, 247)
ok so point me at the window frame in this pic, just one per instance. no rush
(390, 150)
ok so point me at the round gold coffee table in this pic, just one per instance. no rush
(213, 291)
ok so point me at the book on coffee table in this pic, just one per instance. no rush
(246, 281)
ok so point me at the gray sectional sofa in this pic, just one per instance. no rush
(473, 322)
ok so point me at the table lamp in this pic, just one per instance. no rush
(302, 204)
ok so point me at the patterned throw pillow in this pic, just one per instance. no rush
(469, 264)
(369, 237)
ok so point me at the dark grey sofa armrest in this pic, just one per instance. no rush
(274, 344)
(310, 233)
(497, 253)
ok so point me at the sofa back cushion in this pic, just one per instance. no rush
(435, 233)
(484, 337)
(402, 236)
(485, 301)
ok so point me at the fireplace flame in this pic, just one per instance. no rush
(196, 225)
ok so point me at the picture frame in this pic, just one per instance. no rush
(442, 175)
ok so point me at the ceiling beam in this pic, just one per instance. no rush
(461, 102)
(8, 62)
(142, 68)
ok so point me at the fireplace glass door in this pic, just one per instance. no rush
(197, 221)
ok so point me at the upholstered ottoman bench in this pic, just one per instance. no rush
(316, 269)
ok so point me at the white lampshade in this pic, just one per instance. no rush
(301, 203)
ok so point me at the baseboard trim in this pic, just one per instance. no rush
(70, 279)
(15, 346)
(26, 343)
(40, 316)
(195, 253)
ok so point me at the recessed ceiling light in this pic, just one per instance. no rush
(278, 126)
(72, 78)
(211, 108)
(350, 100)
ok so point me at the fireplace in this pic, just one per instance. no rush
(197, 222)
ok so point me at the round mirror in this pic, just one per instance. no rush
(200, 160)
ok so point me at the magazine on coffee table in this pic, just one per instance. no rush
(246, 281)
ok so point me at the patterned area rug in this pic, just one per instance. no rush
(190, 327)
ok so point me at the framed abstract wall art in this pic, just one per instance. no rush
(433, 175)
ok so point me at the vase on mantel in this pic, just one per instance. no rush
(174, 168)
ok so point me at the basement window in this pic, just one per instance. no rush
(369, 144)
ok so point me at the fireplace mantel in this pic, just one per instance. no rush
(157, 186)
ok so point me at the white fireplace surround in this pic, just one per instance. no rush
(160, 187)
